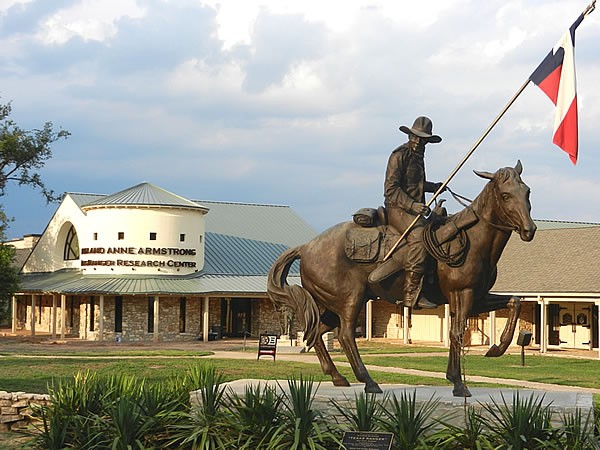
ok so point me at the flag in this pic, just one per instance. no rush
(555, 76)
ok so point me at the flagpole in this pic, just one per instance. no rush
(459, 166)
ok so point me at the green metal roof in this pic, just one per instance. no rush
(76, 283)
(143, 194)
(267, 223)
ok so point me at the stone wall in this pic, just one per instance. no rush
(16, 408)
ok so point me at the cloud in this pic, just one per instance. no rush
(292, 102)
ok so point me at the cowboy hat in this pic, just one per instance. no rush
(423, 127)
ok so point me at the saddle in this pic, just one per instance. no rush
(444, 236)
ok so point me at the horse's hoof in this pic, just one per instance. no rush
(340, 382)
(461, 391)
(494, 351)
(373, 388)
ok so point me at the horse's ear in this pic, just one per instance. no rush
(486, 175)
(519, 167)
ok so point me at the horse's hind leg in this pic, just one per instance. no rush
(348, 343)
(460, 307)
(329, 321)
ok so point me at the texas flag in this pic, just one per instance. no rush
(556, 77)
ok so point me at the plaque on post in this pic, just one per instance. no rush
(267, 345)
(363, 440)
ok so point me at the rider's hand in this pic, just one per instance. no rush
(420, 208)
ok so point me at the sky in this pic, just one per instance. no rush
(293, 102)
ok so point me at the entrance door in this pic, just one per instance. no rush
(236, 317)
(575, 326)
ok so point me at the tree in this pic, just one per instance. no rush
(22, 154)
(9, 278)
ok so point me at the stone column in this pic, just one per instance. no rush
(205, 301)
(369, 320)
(156, 333)
(101, 318)
(32, 314)
(14, 314)
(63, 315)
(54, 311)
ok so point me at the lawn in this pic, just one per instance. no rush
(35, 374)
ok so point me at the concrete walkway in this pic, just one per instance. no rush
(311, 358)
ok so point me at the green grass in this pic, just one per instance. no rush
(34, 374)
(562, 371)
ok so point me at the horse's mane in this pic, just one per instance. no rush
(485, 196)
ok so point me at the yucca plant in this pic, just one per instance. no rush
(577, 431)
(472, 435)
(253, 416)
(363, 414)
(410, 422)
(302, 426)
(205, 426)
(71, 417)
(522, 424)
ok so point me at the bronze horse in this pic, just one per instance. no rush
(335, 288)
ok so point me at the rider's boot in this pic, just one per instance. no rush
(388, 268)
(413, 297)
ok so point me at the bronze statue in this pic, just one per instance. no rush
(335, 266)
(404, 190)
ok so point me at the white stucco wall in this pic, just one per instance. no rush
(102, 251)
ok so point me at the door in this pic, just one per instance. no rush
(236, 317)
(575, 326)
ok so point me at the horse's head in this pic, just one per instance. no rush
(511, 200)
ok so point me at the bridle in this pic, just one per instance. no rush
(463, 201)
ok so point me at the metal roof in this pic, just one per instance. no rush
(143, 194)
(556, 224)
(268, 223)
(239, 256)
(75, 282)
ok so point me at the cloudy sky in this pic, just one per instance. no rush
(293, 102)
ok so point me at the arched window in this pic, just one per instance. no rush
(71, 250)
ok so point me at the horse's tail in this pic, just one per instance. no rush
(293, 297)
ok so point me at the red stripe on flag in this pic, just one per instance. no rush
(550, 84)
(565, 136)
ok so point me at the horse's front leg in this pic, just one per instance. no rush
(460, 309)
(348, 343)
(514, 311)
(329, 321)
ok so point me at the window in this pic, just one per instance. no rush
(152, 236)
(118, 314)
(150, 314)
(182, 237)
(71, 250)
(121, 235)
(92, 312)
(182, 305)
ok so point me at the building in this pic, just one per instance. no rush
(145, 264)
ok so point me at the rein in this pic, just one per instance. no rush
(462, 200)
